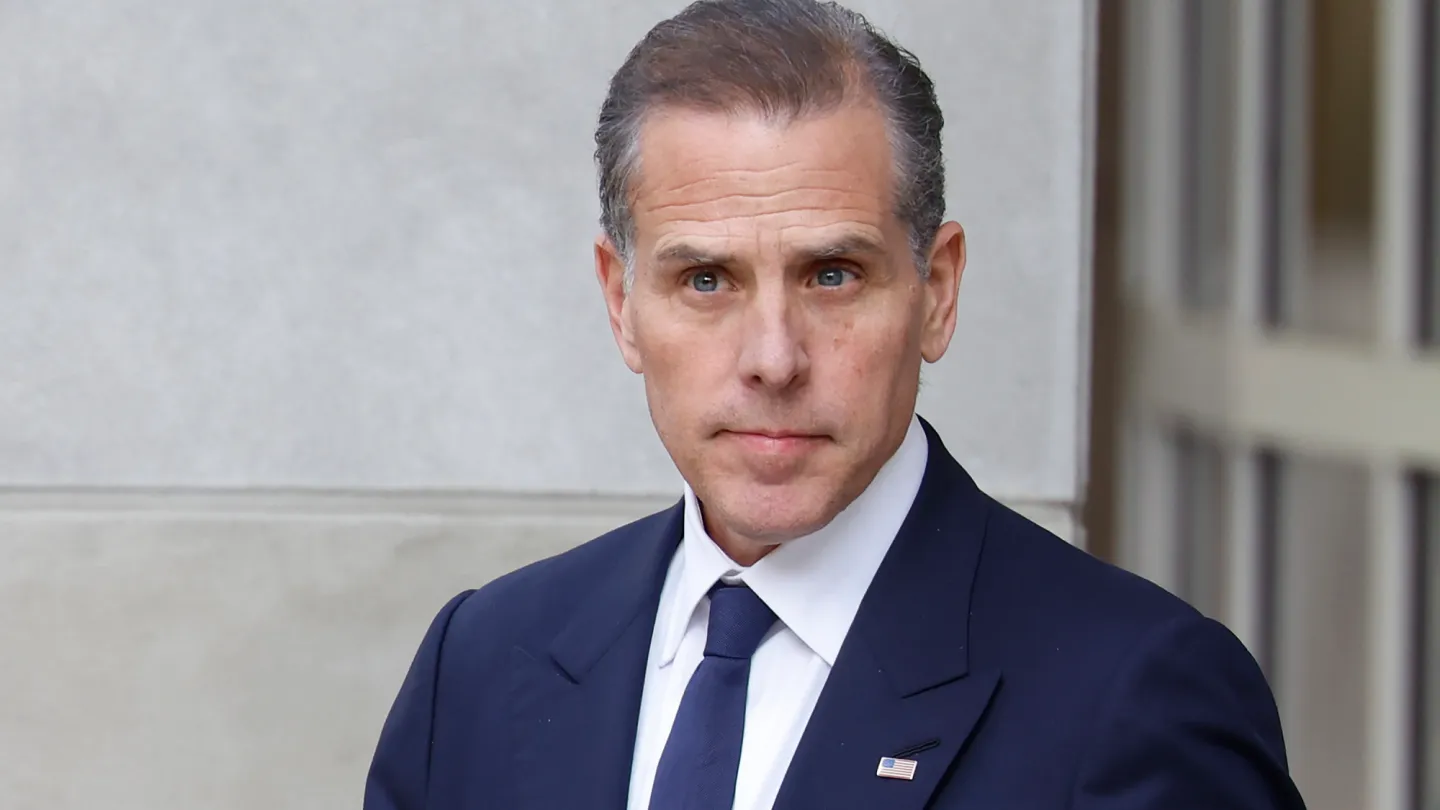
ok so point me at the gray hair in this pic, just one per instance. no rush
(781, 59)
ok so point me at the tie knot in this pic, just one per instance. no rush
(738, 620)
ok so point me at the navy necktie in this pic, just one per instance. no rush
(702, 755)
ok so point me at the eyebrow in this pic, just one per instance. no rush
(681, 253)
(854, 244)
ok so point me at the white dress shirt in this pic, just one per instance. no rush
(814, 584)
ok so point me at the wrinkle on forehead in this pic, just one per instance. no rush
(774, 190)
(685, 150)
(810, 230)
(759, 179)
(699, 180)
(712, 178)
(784, 205)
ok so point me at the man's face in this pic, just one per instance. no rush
(776, 312)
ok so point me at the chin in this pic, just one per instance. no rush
(772, 514)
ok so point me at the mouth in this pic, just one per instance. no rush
(766, 433)
(774, 441)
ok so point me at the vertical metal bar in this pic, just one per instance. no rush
(1262, 22)
(1151, 257)
(1256, 241)
(1187, 112)
(1290, 147)
(1392, 656)
(1107, 350)
(1427, 314)
(1425, 512)
(1158, 208)
(1400, 121)
(1185, 454)
(1135, 102)
(1152, 548)
(1254, 222)
(1131, 511)
(1391, 700)
(1245, 588)
(1269, 469)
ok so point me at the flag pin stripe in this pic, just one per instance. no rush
(896, 768)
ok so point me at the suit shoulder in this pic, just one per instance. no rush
(549, 585)
(1125, 674)
(1032, 572)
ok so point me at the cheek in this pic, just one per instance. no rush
(866, 357)
(681, 349)
(685, 368)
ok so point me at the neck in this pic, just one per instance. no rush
(744, 551)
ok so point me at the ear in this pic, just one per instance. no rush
(610, 271)
(942, 289)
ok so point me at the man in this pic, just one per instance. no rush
(834, 615)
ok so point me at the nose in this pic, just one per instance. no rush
(772, 354)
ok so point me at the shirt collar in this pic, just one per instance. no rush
(815, 583)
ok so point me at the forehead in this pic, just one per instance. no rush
(727, 176)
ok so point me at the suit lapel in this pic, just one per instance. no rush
(902, 679)
(574, 705)
(861, 720)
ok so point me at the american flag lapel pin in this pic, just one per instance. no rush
(896, 768)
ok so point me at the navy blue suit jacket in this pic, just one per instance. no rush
(1030, 674)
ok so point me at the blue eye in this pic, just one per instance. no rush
(831, 276)
(705, 281)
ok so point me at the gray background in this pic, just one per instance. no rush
(300, 335)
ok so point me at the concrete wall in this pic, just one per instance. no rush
(300, 337)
